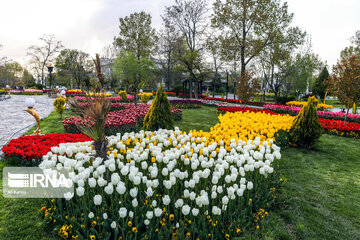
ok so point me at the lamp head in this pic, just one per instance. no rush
(30, 102)
(50, 68)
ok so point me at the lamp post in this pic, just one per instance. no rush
(227, 82)
(50, 69)
(30, 103)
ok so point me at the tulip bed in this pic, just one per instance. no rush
(235, 101)
(320, 106)
(164, 185)
(186, 103)
(127, 120)
(30, 149)
(331, 126)
(323, 114)
(112, 99)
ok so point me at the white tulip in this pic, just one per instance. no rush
(185, 209)
(225, 200)
(149, 214)
(109, 189)
(250, 185)
(157, 212)
(97, 199)
(80, 191)
(120, 188)
(122, 212)
(166, 200)
(91, 215)
(134, 202)
(149, 192)
(133, 192)
(113, 224)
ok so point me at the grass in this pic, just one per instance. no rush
(20, 218)
(198, 118)
(52, 123)
(319, 200)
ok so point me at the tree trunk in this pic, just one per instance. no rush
(196, 89)
(347, 112)
(190, 87)
(135, 96)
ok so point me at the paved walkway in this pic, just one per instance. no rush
(13, 118)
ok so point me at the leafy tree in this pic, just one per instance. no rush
(320, 85)
(136, 35)
(354, 49)
(306, 128)
(345, 82)
(42, 55)
(252, 25)
(133, 72)
(277, 55)
(75, 64)
(27, 77)
(11, 73)
(298, 72)
(159, 114)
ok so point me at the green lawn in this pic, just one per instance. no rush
(319, 200)
(53, 123)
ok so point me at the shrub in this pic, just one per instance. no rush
(145, 97)
(306, 128)
(159, 114)
(284, 99)
(3, 92)
(59, 105)
(123, 95)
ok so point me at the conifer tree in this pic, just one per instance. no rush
(306, 128)
(159, 114)
(320, 85)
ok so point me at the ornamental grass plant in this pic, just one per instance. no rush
(97, 110)
(306, 128)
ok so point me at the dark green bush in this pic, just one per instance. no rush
(159, 114)
(285, 99)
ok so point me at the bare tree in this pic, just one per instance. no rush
(42, 55)
(167, 43)
(107, 59)
(2, 59)
(189, 17)
(213, 43)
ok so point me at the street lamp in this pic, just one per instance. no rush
(227, 82)
(50, 69)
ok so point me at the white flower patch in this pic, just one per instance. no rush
(147, 172)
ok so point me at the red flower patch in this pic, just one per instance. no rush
(35, 146)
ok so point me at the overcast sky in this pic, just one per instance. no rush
(89, 25)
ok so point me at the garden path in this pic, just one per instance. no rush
(13, 118)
